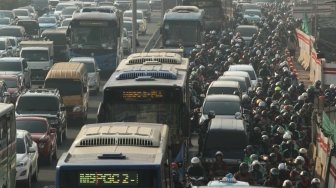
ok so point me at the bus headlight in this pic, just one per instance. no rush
(77, 109)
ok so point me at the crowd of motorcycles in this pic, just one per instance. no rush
(278, 109)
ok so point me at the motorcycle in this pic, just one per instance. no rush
(196, 181)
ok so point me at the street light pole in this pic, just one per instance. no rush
(134, 26)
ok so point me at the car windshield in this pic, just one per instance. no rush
(13, 42)
(181, 33)
(67, 87)
(10, 66)
(8, 31)
(35, 55)
(37, 105)
(11, 83)
(246, 32)
(20, 146)
(222, 90)
(21, 12)
(4, 21)
(47, 20)
(32, 126)
(89, 67)
(2, 45)
(221, 107)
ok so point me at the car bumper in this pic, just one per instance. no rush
(21, 173)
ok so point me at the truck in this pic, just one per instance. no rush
(39, 56)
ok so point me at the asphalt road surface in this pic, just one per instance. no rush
(46, 174)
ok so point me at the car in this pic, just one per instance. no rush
(26, 158)
(144, 6)
(22, 14)
(8, 14)
(247, 32)
(241, 80)
(47, 23)
(92, 70)
(4, 95)
(245, 6)
(140, 20)
(43, 134)
(246, 68)
(32, 28)
(53, 4)
(45, 103)
(126, 42)
(105, 3)
(60, 6)
(67, 12)
(14, 86)
(224, 106)
(15, 45)
(65, 23)
(14, 31)
(128, 25)
(240, 74)
(16, 66)
(122, 5)
(252, 15)
(31, 11)
(224, 87)
(5, 47)
(5, 21)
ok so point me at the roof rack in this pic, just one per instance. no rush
(134, 74)
(185, 9)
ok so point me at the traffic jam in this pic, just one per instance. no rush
(211, 101)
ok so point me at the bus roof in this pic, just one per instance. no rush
(140, 143)
(184, 13)
(150, 69)
(66, 71)
(101, 16)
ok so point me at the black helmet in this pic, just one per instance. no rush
(243, 166)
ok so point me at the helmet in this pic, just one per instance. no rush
(280, 130)
(254, 157)
(273, 155)
(277, 88)
(211, 114)
(274, 172)
(282, 166)
(219, 153)
(304, 173)
(302, 150)
(243, 166)
(195, 160)
(315, 181)
(300, 158)
(264, 137)
(287, 184)
(255, 162)
(287, 136)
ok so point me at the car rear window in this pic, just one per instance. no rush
(32, 126)
(221, 107)
(221, 90)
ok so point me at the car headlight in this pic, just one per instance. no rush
(77, 109)
(22, 163)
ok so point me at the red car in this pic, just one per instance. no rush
(14, 86)
(43, 134)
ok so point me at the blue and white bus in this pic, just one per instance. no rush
(122, 154)
(96, 34)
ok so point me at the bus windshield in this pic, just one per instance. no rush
(66, 87)
(185, 33)
(93, 37)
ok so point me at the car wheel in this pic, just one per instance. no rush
(28, 181)
(35, 176)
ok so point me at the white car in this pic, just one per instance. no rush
(140, 20)
(93, 72)
(126, 42)
(246, 68)
(26, 158)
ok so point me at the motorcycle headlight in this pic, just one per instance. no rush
(77, 109)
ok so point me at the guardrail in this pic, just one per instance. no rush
(153, 41)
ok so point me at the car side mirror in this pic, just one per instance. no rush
(31, 150)
(52, 131)
(62, 108)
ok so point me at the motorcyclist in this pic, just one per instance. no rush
(283, 171)
(315, 183)
(244, 175)
(304, 181)
(218, 168)
(273, 178)
(196, 169)
(287, 184)
(203, 130)
(257, 172)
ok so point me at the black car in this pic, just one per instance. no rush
(45, 103)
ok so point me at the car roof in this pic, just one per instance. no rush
(80, 59)
(236, 73)
(238, 78)
(227, 124)
(224, 83)
(241, 67)
(32, 118)
(221, 97)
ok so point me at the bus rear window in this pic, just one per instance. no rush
(107, 178)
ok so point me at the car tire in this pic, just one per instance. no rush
(35, 176)
(28, 182)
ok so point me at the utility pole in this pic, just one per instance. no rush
(134, 26)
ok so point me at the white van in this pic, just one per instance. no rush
(224, 87)
(246, 68)
(241, 74)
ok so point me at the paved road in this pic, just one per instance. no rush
(47, 173)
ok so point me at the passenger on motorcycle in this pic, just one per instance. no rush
(196, 169)
(244, 175)
(218, 168)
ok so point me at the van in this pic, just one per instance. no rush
(228, 136)
(246, 68)
(240, 73)
(224, 87)
(71, 79)
(242, 82)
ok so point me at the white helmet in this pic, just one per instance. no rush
(287, 136)
(282, 166)
(305, 95)
(303, 150)
(332, 86)
(258, 52)
(300, 158)
(315, 181)
(195, 160)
